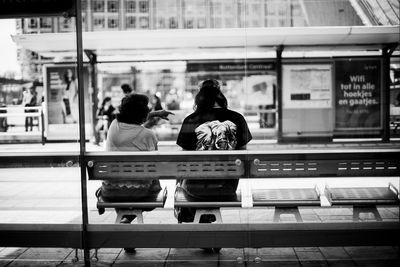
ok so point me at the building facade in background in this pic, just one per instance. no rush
(127, 15)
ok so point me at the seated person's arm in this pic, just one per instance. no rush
(163, 114)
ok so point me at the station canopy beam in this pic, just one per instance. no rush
(184, 44)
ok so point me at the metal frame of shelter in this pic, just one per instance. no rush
(87, 236)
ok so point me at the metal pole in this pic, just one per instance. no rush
(279, 89)
(82, 136)
(42, 128)
(95, 90)
(386, 95)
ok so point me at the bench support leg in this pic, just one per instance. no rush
(290, 210)
(95, 257)
(122, 213)
(358, 210)
(75, 259)
(215, 212)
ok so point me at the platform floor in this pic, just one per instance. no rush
(297, 256)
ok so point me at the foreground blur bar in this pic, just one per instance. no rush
(201, 235)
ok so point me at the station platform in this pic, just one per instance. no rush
(51, 196)
(171, 257)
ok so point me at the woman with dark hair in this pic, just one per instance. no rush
(105, 115)
(212, 126)
(127, 133)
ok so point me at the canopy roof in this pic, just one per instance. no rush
(221, 43)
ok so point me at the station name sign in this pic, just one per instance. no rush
(233, 65)
(31, 8)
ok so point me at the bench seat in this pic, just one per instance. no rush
(362, 195)
(284, 197)
(363, 199)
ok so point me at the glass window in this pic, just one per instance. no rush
(98, 6)
(298, 111)
(173, 23)
(160, 23)
(143, 6)
(32, 23)
(189, 23)
(131, 6)
(99, 23)
(131, 22)
(201, 22)
(46, 23)
(66, 24)
(144, 22)
(112, 6)
(113, 23)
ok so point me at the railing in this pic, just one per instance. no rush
(245, 164)
(19, 116)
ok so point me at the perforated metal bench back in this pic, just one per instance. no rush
(139, 170)
(315, 168)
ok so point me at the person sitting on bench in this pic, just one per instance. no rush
(127, 133)
(212, 126)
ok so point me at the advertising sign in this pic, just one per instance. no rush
(307, 86)
(358, 94)
(61, 85)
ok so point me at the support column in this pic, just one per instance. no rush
(82, 135)
(95, 90)
(279, 51)
(386, 53)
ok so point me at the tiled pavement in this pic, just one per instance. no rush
(298, 256)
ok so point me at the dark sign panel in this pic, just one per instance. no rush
(231, 65)
(358, 94)
(27, 8)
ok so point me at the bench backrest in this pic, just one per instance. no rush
(106, 170)
(223, 165)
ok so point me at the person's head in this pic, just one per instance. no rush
(32, 89)
(69, 76)
(126, 89)
(209, 96)
(133, 109)
(106, 101)
(155, 102)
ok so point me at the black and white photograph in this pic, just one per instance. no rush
(110, 110)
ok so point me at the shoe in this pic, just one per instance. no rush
(207, 219)
(127, 219)
(130, 250)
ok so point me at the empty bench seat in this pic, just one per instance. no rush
(363, 199)
(286, 200)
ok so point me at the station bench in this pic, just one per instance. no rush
(261, 166)
(341, 164)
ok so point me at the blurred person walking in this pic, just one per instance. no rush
(29, 99)
(105, 115)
